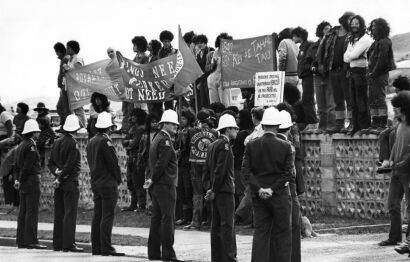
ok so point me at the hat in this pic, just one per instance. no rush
(169, 116)
(104, 120)
(271, 117)
(285, 119)
(226, 121)
(40, 105)
(71, 123)
(30, 125)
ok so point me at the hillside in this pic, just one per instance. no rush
(401, 46)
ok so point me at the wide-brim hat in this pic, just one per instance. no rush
(41, 106)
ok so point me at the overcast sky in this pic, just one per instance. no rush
(29, 29)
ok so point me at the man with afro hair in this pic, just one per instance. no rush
(153, 47)
(166, 38)
(202, 96)
(140, 45)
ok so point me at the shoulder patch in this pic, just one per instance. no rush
(226, 147)
(109, 143)
(167, 143)
(32, 148)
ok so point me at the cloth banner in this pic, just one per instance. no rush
(269, 88)
(241, 59)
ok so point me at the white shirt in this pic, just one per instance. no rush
(356, 54)
(257, 132)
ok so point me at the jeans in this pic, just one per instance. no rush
(377, 95)
(399, 186)
(358, 87)
(341, 93)
(325, 102)
(63, 108)
(308, 100)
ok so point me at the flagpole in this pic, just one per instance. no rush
(195, 99)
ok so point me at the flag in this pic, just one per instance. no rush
(189, 68)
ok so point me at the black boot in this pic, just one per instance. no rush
(374, 126)
(349, 128)
(382, 125)
(337, 128)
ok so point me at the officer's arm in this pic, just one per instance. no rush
(206, 176)
(286, 175)
(52, 166)
(69, 165)
(30, 157)
(134, 142)
(221, 168)
(111, 160)
(164, 156)
(247, 170)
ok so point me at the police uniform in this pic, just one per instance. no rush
(65, 155)
(164, 175)
(268, 163)
(105, 178)
(296, 216)
(220, 171)
(200, 139)
(28, 166)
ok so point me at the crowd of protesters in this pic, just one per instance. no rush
(220, 166)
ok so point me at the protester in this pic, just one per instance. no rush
(283, 133)
(199, 138)
(268, 166)
(47, 135)
(300, 36)
(288, 53)
(105, 178)
(219, 174)
(257, 114)
(189, 40)
(323, 91)
(28, 183)
(8, 172)
(153, 47)
(184, 193)
(65, 165)
(20, 119)
(166, 38)
(140, 46)
(164, 175)
(99, 104)
(381, 61)
(399, 182)
(135, 177)
(6, 123)
(202, 94)
(330, 62)
(63, 108)
(356, 56)
(216, 93)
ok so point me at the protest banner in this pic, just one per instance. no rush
(241, 59)
(103, 77)
(269, 88)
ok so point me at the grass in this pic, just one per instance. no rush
(121, 240)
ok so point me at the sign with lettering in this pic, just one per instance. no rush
(269, 88)
(235, 98)
(200, 141)
(241, 59)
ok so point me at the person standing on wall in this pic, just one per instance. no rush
(105, 179)
(65, 165)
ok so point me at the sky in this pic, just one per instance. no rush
(29, 29)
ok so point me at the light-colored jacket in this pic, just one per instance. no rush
(356, 54)
(288, 57)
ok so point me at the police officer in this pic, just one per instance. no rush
(163, 182)
(105, 179)
(65, 165)
(219, 169)
(268, 166)
(28, 182)
(200, 138)
(283, 133)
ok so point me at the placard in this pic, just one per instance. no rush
(269, 88)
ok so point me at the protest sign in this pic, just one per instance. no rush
(269, 88)
(235, 98)
(241, 59)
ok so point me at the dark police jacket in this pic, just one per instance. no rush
(268, 163)
(28, 166)
(103, 162)
(219, 166)
(65, 156)
(163, 160)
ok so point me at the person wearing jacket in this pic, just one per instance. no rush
(381, 61)
(219, 177)
(164, 180)
(28, 182)
(287, 56)
(300, 36)
(105, 178)
(65, 165)
(356, 55)
(330, 62)
(268, 165)
(323, 91)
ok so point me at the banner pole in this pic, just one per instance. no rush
(195, 99)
